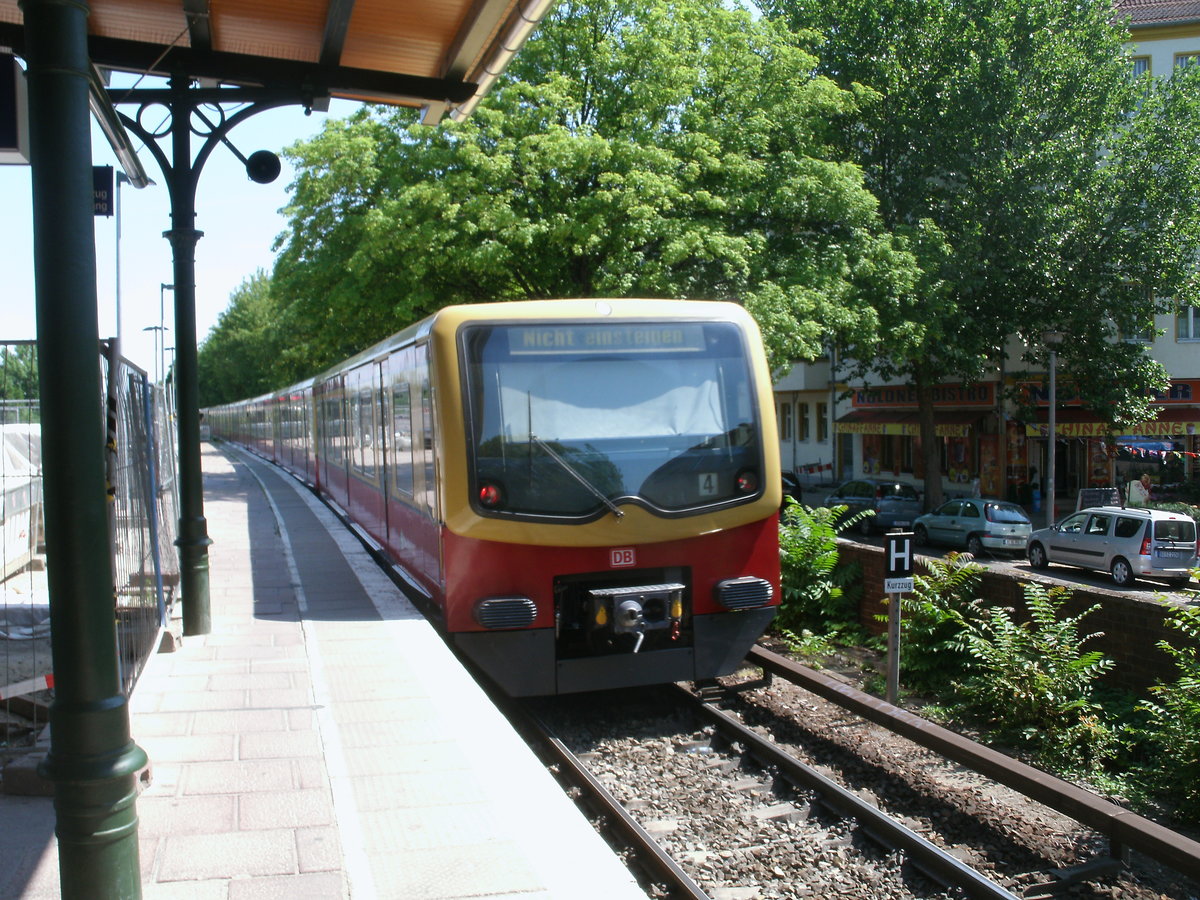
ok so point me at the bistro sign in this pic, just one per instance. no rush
(943, 395)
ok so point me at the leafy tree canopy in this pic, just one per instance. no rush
(1041, 186)
(234, 360)
(676, 148)
(19, 372)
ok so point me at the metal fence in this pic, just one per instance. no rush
(143, 510)
(143, 517)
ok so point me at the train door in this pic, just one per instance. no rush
(382, 405)
(331, 414)
(274, 407)
(401, 489)
(309, 419)
(365, 450)
(425, 463)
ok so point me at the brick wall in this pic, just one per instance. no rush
(1132, 625)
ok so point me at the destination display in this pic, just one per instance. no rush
(543, 339)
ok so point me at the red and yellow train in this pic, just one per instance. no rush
(585, 492)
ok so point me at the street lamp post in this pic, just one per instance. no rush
(189, 114)
(1052, 339)
(160, 338)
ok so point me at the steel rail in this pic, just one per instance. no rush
(928, 857)
(659, 866)
(1125, 830)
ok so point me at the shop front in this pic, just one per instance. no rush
(883, 429)
(1089, 454)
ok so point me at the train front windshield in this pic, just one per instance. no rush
(576, 420)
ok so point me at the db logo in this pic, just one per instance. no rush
(621, 557)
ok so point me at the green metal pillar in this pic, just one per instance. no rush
(182, 174)
(193, 540)
(92, 761)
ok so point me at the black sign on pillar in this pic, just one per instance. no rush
(898, 562)
(14, 114)
(102, 190)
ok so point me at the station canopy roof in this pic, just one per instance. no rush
(440, 55)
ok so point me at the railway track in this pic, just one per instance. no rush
(740, 817)
(763, 824)
(1125, 831)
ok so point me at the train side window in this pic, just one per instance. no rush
(427, 446)
(353, 436)
(334, 428)
(402, 458)
(364, 423)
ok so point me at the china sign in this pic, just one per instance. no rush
(1153, 428)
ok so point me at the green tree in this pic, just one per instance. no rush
(1039, 184)
(19, 372)
(238, 357)
(676, 148)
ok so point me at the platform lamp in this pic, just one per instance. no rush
(159, 340)
(1053, 340)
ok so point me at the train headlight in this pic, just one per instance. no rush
(747, 481)
(490, 495)
(505, 612)
(747, 592)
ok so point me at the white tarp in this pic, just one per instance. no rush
(20, 495)
(22, 617)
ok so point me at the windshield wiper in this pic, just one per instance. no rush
(595, 491)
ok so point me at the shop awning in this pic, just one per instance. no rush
(948, 423)
(1171, 421)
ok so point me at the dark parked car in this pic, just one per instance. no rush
(976, 524)
(791, 488)
(896, 504)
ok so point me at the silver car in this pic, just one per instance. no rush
(895, 503)
(976, 524)
(1126, 542)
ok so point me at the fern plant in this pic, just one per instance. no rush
(814, 598)
(1174, 727)
(932, 654)
(1033, 679)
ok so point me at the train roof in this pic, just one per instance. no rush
(517, 310)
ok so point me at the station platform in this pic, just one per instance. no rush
(322, 741)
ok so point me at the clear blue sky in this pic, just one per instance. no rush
(240, 221)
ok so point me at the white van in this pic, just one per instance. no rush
(1124, 541)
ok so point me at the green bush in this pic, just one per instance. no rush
(816, 597)
(1185, 509)
(932, 654)
(1033, 681)
(1174, 727)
